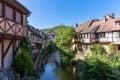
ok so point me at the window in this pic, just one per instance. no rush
(87, 36)
(102, 35)
(96, 36)
(116, 34)
(1, 10)
(18, 17)
(82, 36)
(118, 47)
(9, 12)
(117, 23)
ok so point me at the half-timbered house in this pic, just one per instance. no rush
(13, 22)
(102, 31)
(36, 39)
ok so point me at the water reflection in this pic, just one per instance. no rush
(52, 72)
(50, 68)
(49, 72)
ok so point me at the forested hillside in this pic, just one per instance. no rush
(56, 29)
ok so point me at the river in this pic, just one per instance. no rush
(53, 72)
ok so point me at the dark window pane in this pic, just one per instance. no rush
(9, 12)
(18, 17)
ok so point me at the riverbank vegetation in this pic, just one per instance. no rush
(63, 44)
(99, 65)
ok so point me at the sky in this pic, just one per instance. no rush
(50, 13)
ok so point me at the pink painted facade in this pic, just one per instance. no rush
(13, 28)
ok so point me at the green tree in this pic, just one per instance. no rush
(23, 61)
(98, 67)
(111, 48)
(97, 49)
(63, 42)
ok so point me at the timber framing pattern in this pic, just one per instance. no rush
(13, 28)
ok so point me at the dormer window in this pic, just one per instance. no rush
(117, 23)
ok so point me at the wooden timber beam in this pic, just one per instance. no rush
(10, 27)
(8, 48)
(15, 50)
(1, 26)
(2, 53)
(20, 30)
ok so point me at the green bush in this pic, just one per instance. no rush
(49, 49)
(97, 49)
(25, 44)
(23, 61)
(111, 48)
(98, 67)
(114, 61)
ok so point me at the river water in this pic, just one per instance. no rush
(53, 72)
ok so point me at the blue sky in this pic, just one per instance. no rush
(50, 13)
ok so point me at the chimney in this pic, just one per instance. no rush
(113, 15)
(104, 18)
(76, 25)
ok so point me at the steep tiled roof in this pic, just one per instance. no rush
(109, 26)
(84, 26)
(92, 27)
(18, 5)
(117, 19)
(34, 30)
(99, 25)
